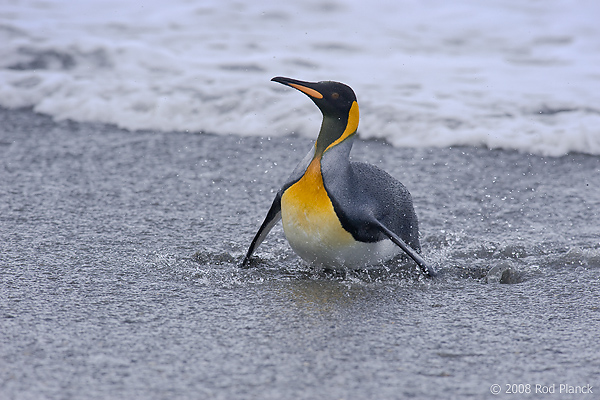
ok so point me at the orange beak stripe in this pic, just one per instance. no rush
(306, 90)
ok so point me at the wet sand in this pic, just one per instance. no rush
(120, 273)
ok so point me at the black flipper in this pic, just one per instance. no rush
(408, 250)
(273, 216)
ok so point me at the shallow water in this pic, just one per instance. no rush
(119, 256)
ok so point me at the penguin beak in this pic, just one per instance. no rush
(308, 88)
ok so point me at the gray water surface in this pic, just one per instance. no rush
(119, 275)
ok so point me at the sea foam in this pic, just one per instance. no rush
(504, 74)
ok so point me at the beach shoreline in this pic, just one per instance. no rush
(120, 272)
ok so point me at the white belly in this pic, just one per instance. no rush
(319, 250)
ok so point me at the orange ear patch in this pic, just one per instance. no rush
(351, 127)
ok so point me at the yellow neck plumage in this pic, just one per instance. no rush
(307, 210)
(351, 126)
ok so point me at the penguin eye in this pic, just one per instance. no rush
(335, 95)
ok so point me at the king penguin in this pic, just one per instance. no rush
(338, 213)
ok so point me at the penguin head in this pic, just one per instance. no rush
(336, 101)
